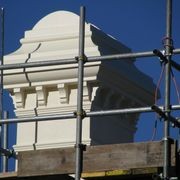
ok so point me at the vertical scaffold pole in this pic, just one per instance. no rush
(81, 58)
(168, 51)
(5, 144)
(1, 62)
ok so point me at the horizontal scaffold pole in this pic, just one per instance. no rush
(87, 114)
(38, 118)
(126, 56)
(127, 111)
(88, 59)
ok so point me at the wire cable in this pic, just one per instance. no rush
(178, 98)
(155, 102)
(158, 84)
(176, 86)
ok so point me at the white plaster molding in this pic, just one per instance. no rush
(25, 113)
(47, 111)
(66, 143)
(38, 146)
(23, 147)
(64, 81)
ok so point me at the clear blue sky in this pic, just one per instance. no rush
(140, 24)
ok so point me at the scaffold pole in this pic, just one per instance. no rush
(79, 113)
(168, 50)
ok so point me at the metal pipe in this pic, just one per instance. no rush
(88, 59)
(5, 144)
(2, 62)
(121, 56)
(127, 111)
(176, 51)
(175, 107)
(81, 58)
(1, 73)
(126, 56)
(38, 64)
(119, 111)
(38, 118)
(86, 114)
(168, 49)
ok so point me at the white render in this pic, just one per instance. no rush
(53, 89)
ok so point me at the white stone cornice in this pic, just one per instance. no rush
(25, 112)
(43, 111)
(47, 145)
(23, 147)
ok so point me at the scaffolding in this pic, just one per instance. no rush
(80, 114)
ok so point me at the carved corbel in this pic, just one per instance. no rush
(121, 101)
(19, 97)
(107, 96)
(100, 97)
(135, 116)
(63, 93)
(86, 92)
(41, 96)
(133, 103)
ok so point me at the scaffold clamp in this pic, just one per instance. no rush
(80, 113)
(81, 58)
(81, 146)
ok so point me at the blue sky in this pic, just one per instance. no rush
(139, 24)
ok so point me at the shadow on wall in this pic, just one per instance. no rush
(118, 128)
